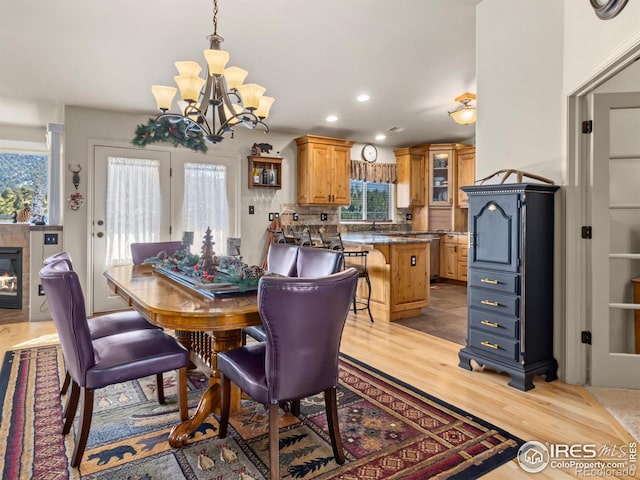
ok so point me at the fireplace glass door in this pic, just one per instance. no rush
(11, 277)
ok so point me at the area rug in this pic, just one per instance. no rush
(389, 429)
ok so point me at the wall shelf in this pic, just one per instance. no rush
(258, 165)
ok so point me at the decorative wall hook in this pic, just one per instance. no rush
(76, 175)
(76, 199)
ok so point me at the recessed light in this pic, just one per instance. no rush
(332, 118)
(380, 137)
(363, 98)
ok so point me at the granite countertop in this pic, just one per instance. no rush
(380, 238)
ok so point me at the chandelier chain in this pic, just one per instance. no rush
(215, 17)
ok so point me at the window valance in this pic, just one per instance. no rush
(373, 172)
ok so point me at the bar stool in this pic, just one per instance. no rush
(333, 241)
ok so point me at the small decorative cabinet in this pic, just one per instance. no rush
(510, 281)
(265, 172)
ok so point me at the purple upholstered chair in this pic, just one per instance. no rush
(96, 363)
(308, 262)
(103, 325)
(281, 259)
(318, 262)
(141, 251)
(303, 319)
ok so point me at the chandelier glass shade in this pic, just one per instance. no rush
(213, 105)
(465, 114)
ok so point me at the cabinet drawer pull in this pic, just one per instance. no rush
(490, 324)
(489, 345)
(490, 303)
(486, 280)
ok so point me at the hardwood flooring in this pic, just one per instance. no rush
(446, 316)
(552, 412)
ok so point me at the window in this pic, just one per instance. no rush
(205, 203)
(369, 201)
(23, 176)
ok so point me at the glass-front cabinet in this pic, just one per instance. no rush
(440, 177)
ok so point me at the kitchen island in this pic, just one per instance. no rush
(398, 267)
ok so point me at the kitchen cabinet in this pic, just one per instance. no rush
(410, 183)
(324, 171)
(449, 165)
(265, 172)
(453, 256)
(465, 173)
(410, 278)
(510, 294)
(441, 175)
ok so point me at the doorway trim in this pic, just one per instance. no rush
(577, 312)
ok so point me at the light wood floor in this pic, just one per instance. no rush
(552, 412)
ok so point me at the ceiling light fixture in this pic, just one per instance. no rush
(466, 114)
(363, 98)
(221, 93)
(332, 118)
(380, 136)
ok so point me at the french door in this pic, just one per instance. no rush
(152, 196)
(615, 248)
(131, 203)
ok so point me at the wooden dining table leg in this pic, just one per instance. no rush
(204, 348)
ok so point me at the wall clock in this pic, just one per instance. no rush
(606, 9)
(369, 153)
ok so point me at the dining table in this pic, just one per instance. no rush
(205, 324)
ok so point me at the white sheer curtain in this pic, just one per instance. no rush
(205, 204)
(133, 206)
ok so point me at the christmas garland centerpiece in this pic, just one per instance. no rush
(208, 270)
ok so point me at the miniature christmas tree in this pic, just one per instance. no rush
(208, 260)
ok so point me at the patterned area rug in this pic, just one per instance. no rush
(389, 430)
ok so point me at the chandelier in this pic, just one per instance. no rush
(466, 114)
(221, 94)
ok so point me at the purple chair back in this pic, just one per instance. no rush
(66, 303)
(142, 251)
(318, 262)
(57, 257)
(303, 319)
(281, 259)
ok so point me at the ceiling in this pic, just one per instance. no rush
(413, 57)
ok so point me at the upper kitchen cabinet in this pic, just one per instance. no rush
(466, 173)
(410, 184)
(441, 175)
(445, 211)
(324, 166)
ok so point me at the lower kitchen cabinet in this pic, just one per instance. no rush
(453, 256)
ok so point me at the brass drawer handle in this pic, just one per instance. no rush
(490, 303)
(490, 345)
(486, 280)
(490, 324)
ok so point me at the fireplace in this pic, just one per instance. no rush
(11, 278)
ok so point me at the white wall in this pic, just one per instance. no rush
(589, 43)
(519, 69)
